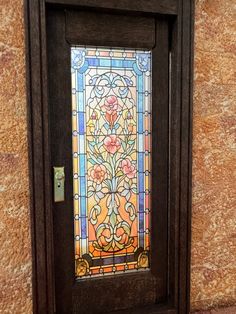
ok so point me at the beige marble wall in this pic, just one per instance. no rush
(213, 225)
(15, 252)
(214, 156)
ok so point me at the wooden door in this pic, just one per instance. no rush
(86, 281)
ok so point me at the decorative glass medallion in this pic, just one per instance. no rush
(111, 118)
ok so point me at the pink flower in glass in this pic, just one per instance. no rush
(111, 105)
(128, 168)
(112, 143)
(97, 173)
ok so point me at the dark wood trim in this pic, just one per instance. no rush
(60, 154)
(186, 154)
(40, 176)
(160, 130)
(180, 128)
(131, 29)
(152, 309)
(150, 6)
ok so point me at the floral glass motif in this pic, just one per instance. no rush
(111, 118)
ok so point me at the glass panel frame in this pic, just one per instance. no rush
(111, 137)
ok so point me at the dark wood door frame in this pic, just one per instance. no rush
(180, 16)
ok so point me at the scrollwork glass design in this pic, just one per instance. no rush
(111, 120)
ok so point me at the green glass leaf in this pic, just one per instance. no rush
(119, 173)
(92, 161)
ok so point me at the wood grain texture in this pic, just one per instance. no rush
(59, 94)
(41, 215)
(160, 157)
(147, 6)
(120, 293)
(134, 31)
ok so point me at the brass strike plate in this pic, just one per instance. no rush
(59, 184)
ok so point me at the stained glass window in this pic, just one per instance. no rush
(111, 118)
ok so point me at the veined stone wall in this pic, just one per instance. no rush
(214, 156)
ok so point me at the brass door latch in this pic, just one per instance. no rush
(59, 184)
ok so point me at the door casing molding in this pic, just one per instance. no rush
(180, 14)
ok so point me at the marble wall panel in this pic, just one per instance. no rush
(213, 275)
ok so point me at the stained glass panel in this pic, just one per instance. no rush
(111, 118)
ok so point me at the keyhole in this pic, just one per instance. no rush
(58, 184)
